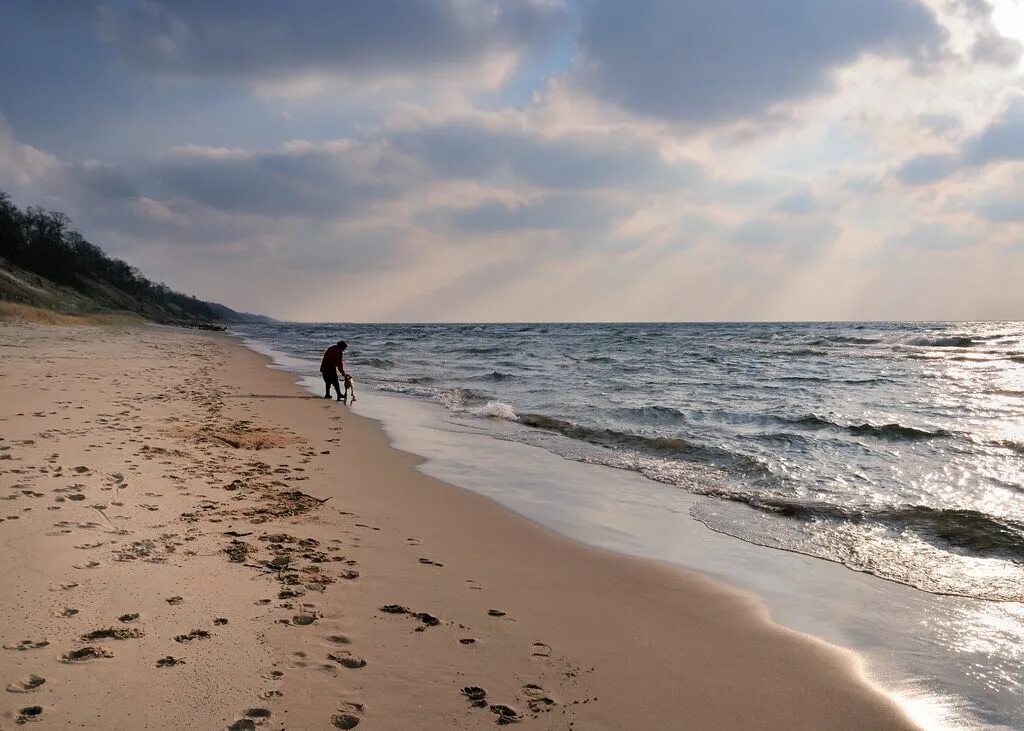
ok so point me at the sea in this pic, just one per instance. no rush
(882, 455)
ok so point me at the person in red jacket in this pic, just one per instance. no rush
(332, 364)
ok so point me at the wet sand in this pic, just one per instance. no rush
(193, 541)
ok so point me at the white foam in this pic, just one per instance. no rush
(495, 410)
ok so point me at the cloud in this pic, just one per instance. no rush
(473, 149)
(997, 50)
(802, 203)
(20, 164)
(939, 123)
(930, 168)
(764, 232)
(356, 39)
(932, 236)
(564, 212)
(697, 62)
(1003, 210)
(334, 179)
(1001, 140)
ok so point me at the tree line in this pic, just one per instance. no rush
(44, 243)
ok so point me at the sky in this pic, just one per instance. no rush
(534, 160)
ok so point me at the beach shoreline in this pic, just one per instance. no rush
(663, 648)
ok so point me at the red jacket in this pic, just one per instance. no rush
(333, 358)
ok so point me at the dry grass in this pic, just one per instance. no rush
(15, 312)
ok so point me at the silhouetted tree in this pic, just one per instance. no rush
(44, 243)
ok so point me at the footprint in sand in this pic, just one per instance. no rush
(27, 645)
(495, 613)
(271, 694)
(539, 649)
(244, 724)
(26, 685)
(87, 546)
(87, 565)
(130, 617)
(85, 653)
(174, 600)
(476, 696)
(538, 699)
(467, 641)
(112, 633)
(169, 662)
(196, 634)
(347, 660)
(506, 714)
(67, 612)
(428, 562)
(29, 713)
(339, 640)
(344, 720)
(474, 584)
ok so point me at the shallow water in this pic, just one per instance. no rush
(892, 449)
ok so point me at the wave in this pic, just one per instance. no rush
(661, 446)
(951, 341)
(495, 376)
(422, 379)
(803, 352)
(656, 414)
(845, 340)
(382, 363)
(495, 410)
(882, 431)
(1010, 444)
(484, 349)
(972, 530)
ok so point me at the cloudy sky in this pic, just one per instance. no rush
(496, 160)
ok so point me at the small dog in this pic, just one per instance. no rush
(349, 387)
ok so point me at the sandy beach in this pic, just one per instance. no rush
(192, 541)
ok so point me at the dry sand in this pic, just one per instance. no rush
(229, 548)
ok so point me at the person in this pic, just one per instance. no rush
(331, 365)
